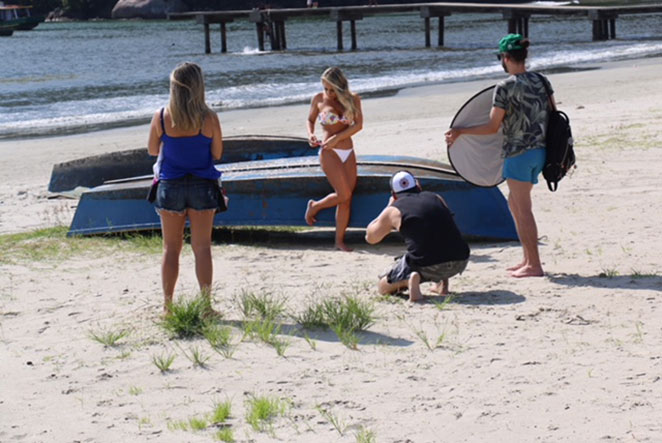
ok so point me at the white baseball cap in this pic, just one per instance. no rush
(402, 181)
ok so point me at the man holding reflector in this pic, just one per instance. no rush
(520, 107)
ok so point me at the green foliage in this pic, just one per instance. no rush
(264, 306)
(222, 412)
(260, 411)
(225, 435)
(108, 337)
(188, 318)
(163, 362)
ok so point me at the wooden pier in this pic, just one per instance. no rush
(271, 22)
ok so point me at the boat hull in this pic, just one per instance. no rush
(95, 170)
(275, 193)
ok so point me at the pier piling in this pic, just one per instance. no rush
(272, 21)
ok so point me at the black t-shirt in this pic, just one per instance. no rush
(429, 230)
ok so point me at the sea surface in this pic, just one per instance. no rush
(83, 76)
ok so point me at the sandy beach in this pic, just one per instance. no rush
(573, 356)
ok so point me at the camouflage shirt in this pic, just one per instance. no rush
(524, 98)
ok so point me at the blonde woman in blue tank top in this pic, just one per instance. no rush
(187, 137)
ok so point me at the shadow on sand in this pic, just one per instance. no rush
(633, 281)
(495, 297)
(326, 334)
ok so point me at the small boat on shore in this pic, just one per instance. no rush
(275, 193)
(17, 18)
(95, 170)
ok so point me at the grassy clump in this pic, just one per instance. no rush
(189, 318)
(365, 436)
(52, 244)
(108, 337)
(219, 338)
(163, 362)
(222, 412)
(264, 306)
(225, 435)
(262, 313)
(261, 411)
(345, 316)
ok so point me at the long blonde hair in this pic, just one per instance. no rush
(335, 77)
(187, 105)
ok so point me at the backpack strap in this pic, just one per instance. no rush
(162, 122)
(549, 94)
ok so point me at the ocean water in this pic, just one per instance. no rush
(83, 76)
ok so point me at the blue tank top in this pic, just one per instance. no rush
(186, 155)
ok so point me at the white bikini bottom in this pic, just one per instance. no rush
(343, 154)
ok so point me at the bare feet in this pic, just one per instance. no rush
(310, 218)
(441, 288)
(415, 287)
(527, 271)
(343, 247)
(516, 267)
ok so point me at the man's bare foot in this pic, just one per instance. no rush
(343, 247)
(527, 271)
(441, 288)
(415, 287)
(516, 267)
(310, 219)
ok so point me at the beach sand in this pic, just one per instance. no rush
(573, 356)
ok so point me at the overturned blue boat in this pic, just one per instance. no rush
(275, 193)
(95, 170)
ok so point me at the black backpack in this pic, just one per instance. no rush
(560, 153)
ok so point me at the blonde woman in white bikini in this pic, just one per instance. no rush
(338, 112)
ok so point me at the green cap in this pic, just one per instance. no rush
(510, 42)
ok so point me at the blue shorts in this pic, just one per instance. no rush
(188, 192)
(525, 167)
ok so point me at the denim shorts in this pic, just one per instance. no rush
(401, 270)
(525, 167)
(188, 192)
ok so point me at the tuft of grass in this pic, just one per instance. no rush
(344, 316)
(312, 343)
(108, 337)
(261, 411)
(219, 338)
(608, 273)
(337, 423)
(426, 341)
(197, 424)
(178, 425)
(267, 330)
(349, 313)
(135, 390)
(188, 318)
(312, 317)
(163, 362)
(222, 412)
(197, 357)
(365, 436)
(264, 306)
(225, 435)
(444, 304)
(639, 274)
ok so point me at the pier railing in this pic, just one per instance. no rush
(270, 23)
